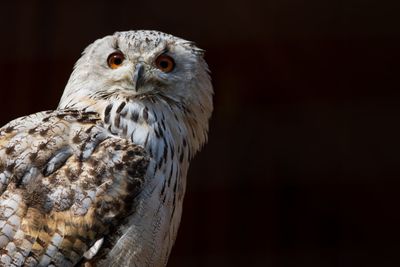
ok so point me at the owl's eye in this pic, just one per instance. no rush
(115, 60)
(165, 63)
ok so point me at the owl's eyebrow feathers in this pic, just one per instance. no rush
(115, 44)
(165, 50)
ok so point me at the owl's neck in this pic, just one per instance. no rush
(126, 115)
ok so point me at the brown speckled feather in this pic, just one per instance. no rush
(65, 182)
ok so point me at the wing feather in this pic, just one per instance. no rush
(65, 181)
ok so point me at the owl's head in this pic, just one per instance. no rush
(141, 65)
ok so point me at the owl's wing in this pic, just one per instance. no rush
(65, 182)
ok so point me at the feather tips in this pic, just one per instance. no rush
(64, 181)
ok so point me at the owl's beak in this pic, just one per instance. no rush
(138, 76)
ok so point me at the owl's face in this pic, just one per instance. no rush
(138, 64)
(153, 73)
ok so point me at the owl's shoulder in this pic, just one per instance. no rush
(60, 168)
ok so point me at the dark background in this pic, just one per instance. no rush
(302, 164)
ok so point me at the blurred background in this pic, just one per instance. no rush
(302, 164)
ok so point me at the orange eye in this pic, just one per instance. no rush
(165, 63)
(115, 60)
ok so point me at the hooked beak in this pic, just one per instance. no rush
(138, 76)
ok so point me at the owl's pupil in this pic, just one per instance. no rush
(164, 64)
(117, 61)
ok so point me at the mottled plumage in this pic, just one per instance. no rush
(101, 180)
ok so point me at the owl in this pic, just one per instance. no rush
(100, 181)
